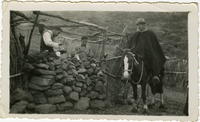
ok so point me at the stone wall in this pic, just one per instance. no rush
(59, 85)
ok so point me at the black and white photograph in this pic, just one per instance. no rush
(90, 62)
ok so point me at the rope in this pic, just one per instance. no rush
(141, 74)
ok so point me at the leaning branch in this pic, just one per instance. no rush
(73, 21)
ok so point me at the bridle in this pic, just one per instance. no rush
(131, 71)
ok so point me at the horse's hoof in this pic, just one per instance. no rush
(145, 112)
(135, 110)
(162, 106)
(151, 106)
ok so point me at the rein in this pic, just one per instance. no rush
(141, 74)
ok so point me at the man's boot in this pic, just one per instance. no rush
(155, 80)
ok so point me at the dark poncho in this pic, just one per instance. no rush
(146, 45)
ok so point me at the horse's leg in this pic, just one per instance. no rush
(161, 92)
(144, 96)
(135, 104)
(161, 101)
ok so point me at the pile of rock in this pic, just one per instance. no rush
(60, 84)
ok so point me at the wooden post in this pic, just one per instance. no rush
(103, 45)
(32, 30)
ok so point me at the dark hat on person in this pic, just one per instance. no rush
(140, 21)
(84, 37)
(57, 28)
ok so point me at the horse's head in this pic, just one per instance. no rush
(129, 62)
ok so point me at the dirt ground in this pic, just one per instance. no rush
(174, 104)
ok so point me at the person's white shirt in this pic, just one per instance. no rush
(48, 41)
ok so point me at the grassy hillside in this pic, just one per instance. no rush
(170, 28)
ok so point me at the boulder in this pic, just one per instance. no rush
(67, 89)
(94, 95)
(57, 86)
(65, 74)
(31, 106)
(89, 88)
(41, 81)
(102, 96)
(19, 107)
(69, 72)
(70, 78)
(53, 92)
(44, 72)
(96, 70)
(42, 66)
(59, 77)
(71, 63)
(77, 89)
(97, 104)
(90, 71)
(80, 78)
(79, 84)
(77, 64)
(73, 88)
(100, 73)
(28, 67)
(56, 99)
(86, 64)
(50, 59)
(93, 65)
(74, 71)
(33, 91)
(59, 71)
(82, 71)
(64, 80)
(37, 87)
(39, 98)
(57, 62)
(45, 108)
(48, 76)
(101, 79)
(72, 67)
(83, 93)
(87, 95)
(64, 66)
(88, 81)
(82, 104)
(19, 94)
(51, 66)
(58, 67)
(64, 106)
(84, 86)
(73, 96)
(99, 87)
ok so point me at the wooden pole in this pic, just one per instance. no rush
(103, 45)
(32, 30)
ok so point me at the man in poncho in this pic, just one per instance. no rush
(145, 44)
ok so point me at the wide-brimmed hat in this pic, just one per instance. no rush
(140, 21)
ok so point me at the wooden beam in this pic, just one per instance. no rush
(72, 21)
(113, 58)
(174, 72)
